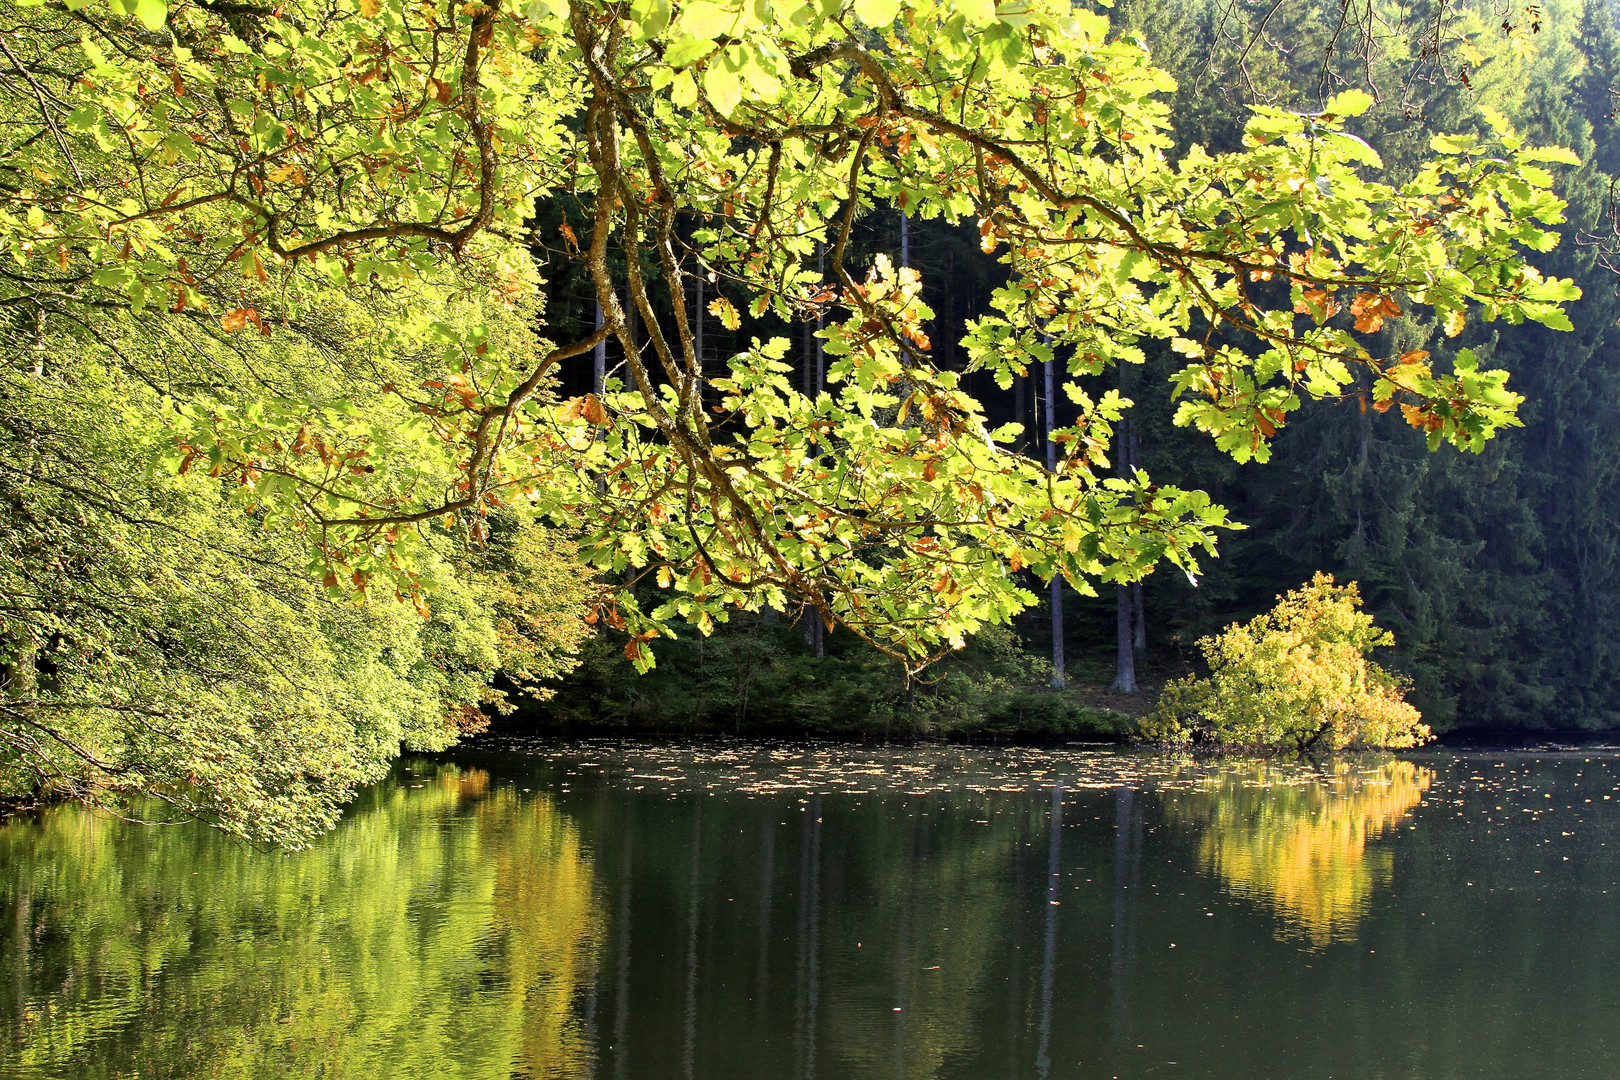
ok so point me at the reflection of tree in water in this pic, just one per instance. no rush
(928, 898)
(443, 931)
(543, 908)
(1300, 845)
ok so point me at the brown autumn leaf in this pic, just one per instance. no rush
(1369, 321)
(236, 319)
(987, 237)
(726, 312)
(1368, 312)
(1318, 305)
(594, 412)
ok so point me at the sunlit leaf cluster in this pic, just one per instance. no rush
(199, 162)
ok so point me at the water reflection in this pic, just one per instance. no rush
(650, 913)
(446, 931)
(1300, 846)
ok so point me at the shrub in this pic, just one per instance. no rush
(1296, 677)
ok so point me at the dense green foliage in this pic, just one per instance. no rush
(733, 143)
(159, 639)
(277, 370)
(1296, 677)
(756, 677)
(1495, 572)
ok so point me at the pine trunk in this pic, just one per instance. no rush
(697, 336)
(1125, 664)
(1138, 603)
(598, 358)
(1139, 639)
(1125, 644)
(1058, 666)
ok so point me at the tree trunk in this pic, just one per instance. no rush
(598, 357)
(808, 355)
(1020, 411)
(821, 355)
(815, 633)
(697, 336)
(1125, 645)
(1138, 604)
(1059, 679)
(632, 324)
(1125, 664)
(1139, 636)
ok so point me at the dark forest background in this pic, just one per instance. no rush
(1499, 573)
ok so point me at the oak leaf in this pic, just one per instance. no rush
(726, 312)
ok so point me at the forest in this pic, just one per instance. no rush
(809, 539)
(377, 371)
(1485, 566)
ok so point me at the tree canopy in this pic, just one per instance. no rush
(297, 246)
(206, 159)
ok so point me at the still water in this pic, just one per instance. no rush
(775, 912)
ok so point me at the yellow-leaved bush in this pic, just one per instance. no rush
(1296, 677)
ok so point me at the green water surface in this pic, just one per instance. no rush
(777, 912)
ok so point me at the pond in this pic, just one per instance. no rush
(737, 911)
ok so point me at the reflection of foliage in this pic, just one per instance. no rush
(177, 953)
(1297, 676)
(946, 899)
(1302, 848)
